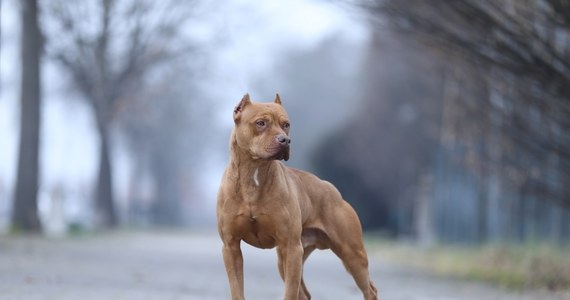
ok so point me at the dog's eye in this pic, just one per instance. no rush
(286, 125)
(260, 123)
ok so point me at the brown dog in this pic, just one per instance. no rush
(266, 204)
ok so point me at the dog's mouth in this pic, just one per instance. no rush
(279, 153)
(283, 154)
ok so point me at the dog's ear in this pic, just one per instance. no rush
(241, 105)
(277, 99)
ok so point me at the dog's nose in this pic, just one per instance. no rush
(283, 140)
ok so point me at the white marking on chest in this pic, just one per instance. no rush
(255, 179)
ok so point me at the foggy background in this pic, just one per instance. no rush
(439, 123)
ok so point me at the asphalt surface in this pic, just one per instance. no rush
(188, 265)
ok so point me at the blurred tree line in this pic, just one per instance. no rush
(458, 118)
(465, 133)
(126, 59)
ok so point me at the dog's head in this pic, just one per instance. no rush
(262, 129)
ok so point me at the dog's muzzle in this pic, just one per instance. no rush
(283, 143)
(283, 154)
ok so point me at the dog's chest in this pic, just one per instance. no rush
(252, 197)
(250, 214)
(255, 226)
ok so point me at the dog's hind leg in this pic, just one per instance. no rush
(356, 263)
(348, 245)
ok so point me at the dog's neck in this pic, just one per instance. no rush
(248, 171)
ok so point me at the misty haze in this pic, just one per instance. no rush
(444, 124)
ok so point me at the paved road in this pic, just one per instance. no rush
(164, 266)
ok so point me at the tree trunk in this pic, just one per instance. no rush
(105, 201)
(25, 210)
(424, 213)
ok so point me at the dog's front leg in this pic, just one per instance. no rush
(233, 261)
(292, 262)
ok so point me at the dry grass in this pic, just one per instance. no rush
(512, 266)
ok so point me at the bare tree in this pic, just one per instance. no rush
(167, 135)
(519, 50)
(498, 157)
(25, 211)
(108, 47)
